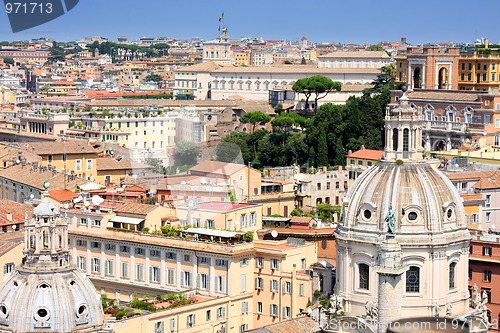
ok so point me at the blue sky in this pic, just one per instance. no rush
(356, 21)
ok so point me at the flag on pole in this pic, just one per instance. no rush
(221, 17)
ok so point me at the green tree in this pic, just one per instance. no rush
(303, 61)
(56, 53)
(9, 61)
(186, 152)
(156, 163)
(153, 77)
(318, 85)
(375, 47)
(254, 118)
(234, 148)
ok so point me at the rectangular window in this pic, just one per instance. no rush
(274, 310)
(253, 219)
(124, 270)
(172, 324)
(488, 217)
(170, 276)
(244, 307)
(125, 249)
(187, 258)
(221, 312)
(78, 165)
(88, 162)
(139, 251)
(221, 262)
(244, 262)
(81, 243)
(243, 283)
(259, 262)
(159, 327)
(286, 312)
(287, 287)
(488, 200)
(203, 278)
(82, 221)
(487, 251)
(488, 294)
(487, 276)
(109, 267)
(97, 223)
(301, 290)
(171, 256)
(186, 279)
(203, 260)
(274, 286)
(210, 224)
(220, 284)
(96, 265)
(275, 264)
(190, 320)
(259, 307)
(95, 245)
(154, 274)
(208, 315)
(81, 262)
(154, 253)
(139, 272)
(259, 283)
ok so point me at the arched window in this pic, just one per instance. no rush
(413, 280)
(395, 134)
(451, 275)
(364, 276)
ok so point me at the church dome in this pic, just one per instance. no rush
(422, 199)
(46, 293)
(62, 301)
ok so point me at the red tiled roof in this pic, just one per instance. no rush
(62, 195)
(367, 154)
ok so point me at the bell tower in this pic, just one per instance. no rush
(46, 237)
(403, 132)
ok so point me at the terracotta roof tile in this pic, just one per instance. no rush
(109, 163)
(62, 195)
(443, 95)
(60, 147)
(35, 179)
(367, 154)
(215, 167)
(136, 208)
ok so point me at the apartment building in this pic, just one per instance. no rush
(323, 187)
(223, 278)
(450, 67)
(354, 59)
(362, 159)
(221, 215)
(484, 272)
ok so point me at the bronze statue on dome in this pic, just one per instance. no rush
(390, 220)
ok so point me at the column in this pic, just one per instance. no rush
(409, 78)
(423, 76)
(400, 139)
(147, 266)
(163, 272)
(103, 258)
(194, 283)
(88, 266)
(132, 264)
(118, 274)
(211, 276)
(178, 272)
(229, 276)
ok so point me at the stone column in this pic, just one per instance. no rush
(390, 285)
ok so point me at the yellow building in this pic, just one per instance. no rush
(222, 215)
(235, 285)
(283, 285)
(245, 181)
(241, 58)
(277, 197)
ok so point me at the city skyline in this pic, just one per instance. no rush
(358, 21)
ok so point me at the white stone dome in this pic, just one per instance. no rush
(62, 301)
(423, 200)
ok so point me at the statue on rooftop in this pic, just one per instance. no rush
(390, 220)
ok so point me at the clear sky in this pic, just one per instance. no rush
(346, 21)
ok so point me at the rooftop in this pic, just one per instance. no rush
(136, 208)
(367, 154)
(357, 54)
(60, 147)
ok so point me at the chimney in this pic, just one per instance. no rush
(362, 147)
(9, 216)
(486, 43)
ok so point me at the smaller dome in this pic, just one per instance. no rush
(46, 209)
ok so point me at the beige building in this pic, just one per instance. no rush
(354, 59)
(218, 50)
(283, 285)
(221, 215)
(362, 159)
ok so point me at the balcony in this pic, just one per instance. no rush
(449, 126)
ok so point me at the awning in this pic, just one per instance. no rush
(126, 219)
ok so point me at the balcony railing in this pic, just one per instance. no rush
(452, 126)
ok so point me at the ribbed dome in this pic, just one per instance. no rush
(422, 198)
(64, 301)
